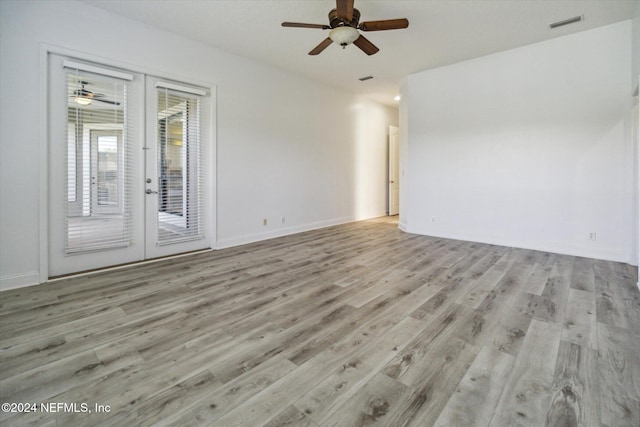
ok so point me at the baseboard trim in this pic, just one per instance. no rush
(19, 281)
(556, 247)
(280, 232)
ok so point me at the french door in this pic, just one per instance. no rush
(128, 162)
(175, 199)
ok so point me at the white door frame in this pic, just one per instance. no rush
(636, 142)
(394, 171)
(43, 111)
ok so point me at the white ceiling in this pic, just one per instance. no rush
(440, 32)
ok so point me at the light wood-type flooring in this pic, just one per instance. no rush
(357, 324)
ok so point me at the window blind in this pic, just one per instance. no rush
(179, 164)
(98, 157)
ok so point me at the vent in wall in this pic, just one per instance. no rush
(362, 79)
(566, 22)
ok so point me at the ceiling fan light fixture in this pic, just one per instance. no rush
(83, 100)
(344, 36)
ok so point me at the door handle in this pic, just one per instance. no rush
(150, 191)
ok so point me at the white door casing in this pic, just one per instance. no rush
(394, 176)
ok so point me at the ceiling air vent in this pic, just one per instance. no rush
(566, 22)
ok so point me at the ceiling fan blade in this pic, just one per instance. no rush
(345, 9)
(106, 101)
(301, 25)
(388, 24)
(366, 46)
(322, 46)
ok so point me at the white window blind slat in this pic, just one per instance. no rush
(96, 70)
(181, 88)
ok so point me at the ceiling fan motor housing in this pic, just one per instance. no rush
(335, 21)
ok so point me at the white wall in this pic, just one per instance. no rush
(529, 147)
(286, 146)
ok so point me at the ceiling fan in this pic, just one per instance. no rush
(83, 96)
(344, 26)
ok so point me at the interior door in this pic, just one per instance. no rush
(394, 176)
(95, 214)
(177, 215)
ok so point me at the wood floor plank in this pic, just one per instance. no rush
(267, 404)
(379, 286)
(618, 368)
(553, 300)
(580, 319)
(353, 324)
(208, 408)
(373, 404)
(625, 288)
(610, 302)
(408, 366)
(39, 385)
(574, 397)
(483, 282)
(485, 318)
(161, 405)
(437, 383)
(480, 273)
(291, 417)
(320, 401)
(474, 401)
(537, 280)
(510, 330)
(583, 278)
(526, 395)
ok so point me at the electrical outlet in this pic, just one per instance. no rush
(592, 235)
(282, 219)
(264, 221)
(433, 219)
